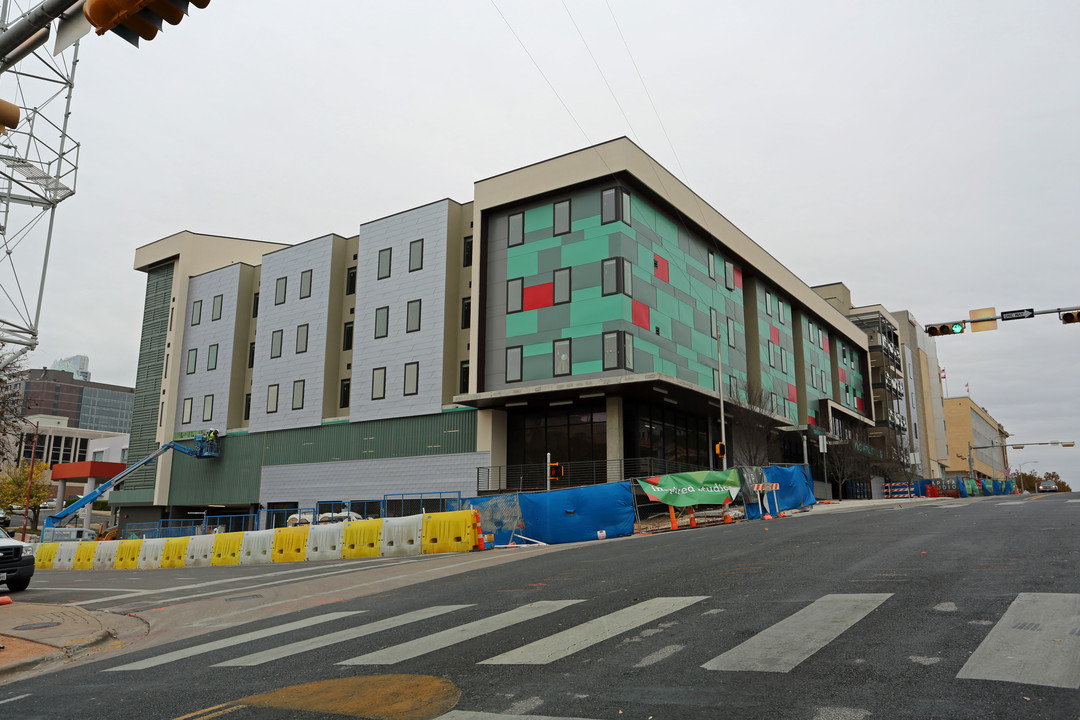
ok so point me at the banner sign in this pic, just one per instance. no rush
(706, 487)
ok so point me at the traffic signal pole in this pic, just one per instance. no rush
(1068, 315)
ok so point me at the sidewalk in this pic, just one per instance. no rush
(35, 634)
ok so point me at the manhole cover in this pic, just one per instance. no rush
(37, 626)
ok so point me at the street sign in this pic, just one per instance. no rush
(1018, 314)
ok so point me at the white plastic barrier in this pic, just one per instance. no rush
(402, 536)
(105, 554)
(324, 541)
(257, 548)
(65, 556)
(150, 554)
(200, 551)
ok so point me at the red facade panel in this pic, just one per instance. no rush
(538, 296)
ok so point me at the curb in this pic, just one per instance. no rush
(59, 653)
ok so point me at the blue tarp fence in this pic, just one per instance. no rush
(796, 490)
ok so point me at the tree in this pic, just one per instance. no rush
(13, 487)
(754, 428)
(851, 459)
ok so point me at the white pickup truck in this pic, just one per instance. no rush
(16, 562)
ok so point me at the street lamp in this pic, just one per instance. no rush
(1020, 474)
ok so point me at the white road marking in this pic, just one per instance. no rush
(1036, 641)
(1013, 502)
(945, 607)
(230, 641)
(579, 637)
(662, 654)
(321, 641)
(461, 633)
(787, 643)
(13, 699)
(471, 715)
(524, 706)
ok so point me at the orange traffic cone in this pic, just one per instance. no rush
(479, 532)
(674, 521)
(693, 520)
(5, 600)
(727, 519)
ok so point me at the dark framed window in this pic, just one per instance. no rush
(515, 290)
(305, 284)
(166, 369)
(628, 351)
(215, 310)
(712, 266)
(346, 336)
(561, 278)
(211, 357)
(463, 377)
(713, 321)
(561, 217)
(255, 306)
(196, 313)
(561, 357)
(416, 255)
(275, 343)
(378, 383)
(350, 281)
(412, 316)
(731, 332)
(466, 253)
(384, 263)
(185, 416)
(301, 338)
(382, 321)
(614, 205)
(271, 399)
(772, 355)
(618, 350)
(768, 303)
(298, 395)
(280, 288)
(247, 406)
(515, 229)
(412, 378)
(346, 393)
(617, 276)
(251, 355)
(513, 364)
(208, 408)
(729, 275)
(466, 313)
(192, 360)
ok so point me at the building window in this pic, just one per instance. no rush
(713, 322)
(186, 415)
(211, 357)
(271, 399)
(562, 217)
(513, 364)
(166, 370)
(463, 377)
(416, 255)
(466, 313)
(378, 383)
(614, 205)
(170, 318)
(350, 281)
(161, 416)
(466, 255)
(247, 406)
(305, 284)
(346, 337)
(768, 303)
(412, 316)
(279, 290)
(772, 355)
(733, 387)
(561, 357)
(251, 355)
(729, 275)
(616, 276)
(384, 263)
(196, 313)
(628, 351)
(215, 310)
(618, 350)
(783, 360)
(207, 408)
(275, 343)
(301, 338)
(346, 393)
(824, 381)
(298, 395)
(562, 286)
(813, 376)
(514, 295)
(382, 321)
(192, 360)
(781, 318)
(611, 350)
(255, 306)
(515, 229)
(712, 266)
(412, 378)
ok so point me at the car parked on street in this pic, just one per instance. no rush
(16, 562)
(1048, 486)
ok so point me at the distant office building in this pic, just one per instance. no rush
(977, 441)
(77, 365)
(51, 439)
(86, 405)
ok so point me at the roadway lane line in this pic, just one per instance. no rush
(461, 633)
(13, 699)
(230, 641)
(1069, 501)
(321, 641)
(568, 642)
(1013, 502)
(784, 645)
(1036, 641)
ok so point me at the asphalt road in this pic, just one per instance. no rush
(952, 609)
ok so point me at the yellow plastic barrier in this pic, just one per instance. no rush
(45, 555)
(175, 552)
(227, 548)
(290, 544)
(363, 538)
(127, 554)
(448, 532)
(84, 556)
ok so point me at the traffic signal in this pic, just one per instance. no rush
(947, 329)
(555, 470)
(134, 19)
(1070, 317)
(9, 116)
(720, 450)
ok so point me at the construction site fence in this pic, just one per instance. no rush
(536, 477)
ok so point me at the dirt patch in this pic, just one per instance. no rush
(17, 650)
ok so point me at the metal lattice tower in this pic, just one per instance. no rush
(38, 169)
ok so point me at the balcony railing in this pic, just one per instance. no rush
(534, 477)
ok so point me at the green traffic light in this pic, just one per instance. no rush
(957, 328)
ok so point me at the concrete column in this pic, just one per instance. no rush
(615, 449)
(87, 489)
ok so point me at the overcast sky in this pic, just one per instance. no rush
(925, 154)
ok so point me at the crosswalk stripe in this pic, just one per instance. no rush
(439, 640)
(230, 641)
(1037, 641)
(787, 643)
(568, 642)
(322, 641)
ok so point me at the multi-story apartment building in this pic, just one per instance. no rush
(977, 442)
(86, 405)
(927, 440)
(590, 306)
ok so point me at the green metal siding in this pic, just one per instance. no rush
(139, 486)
